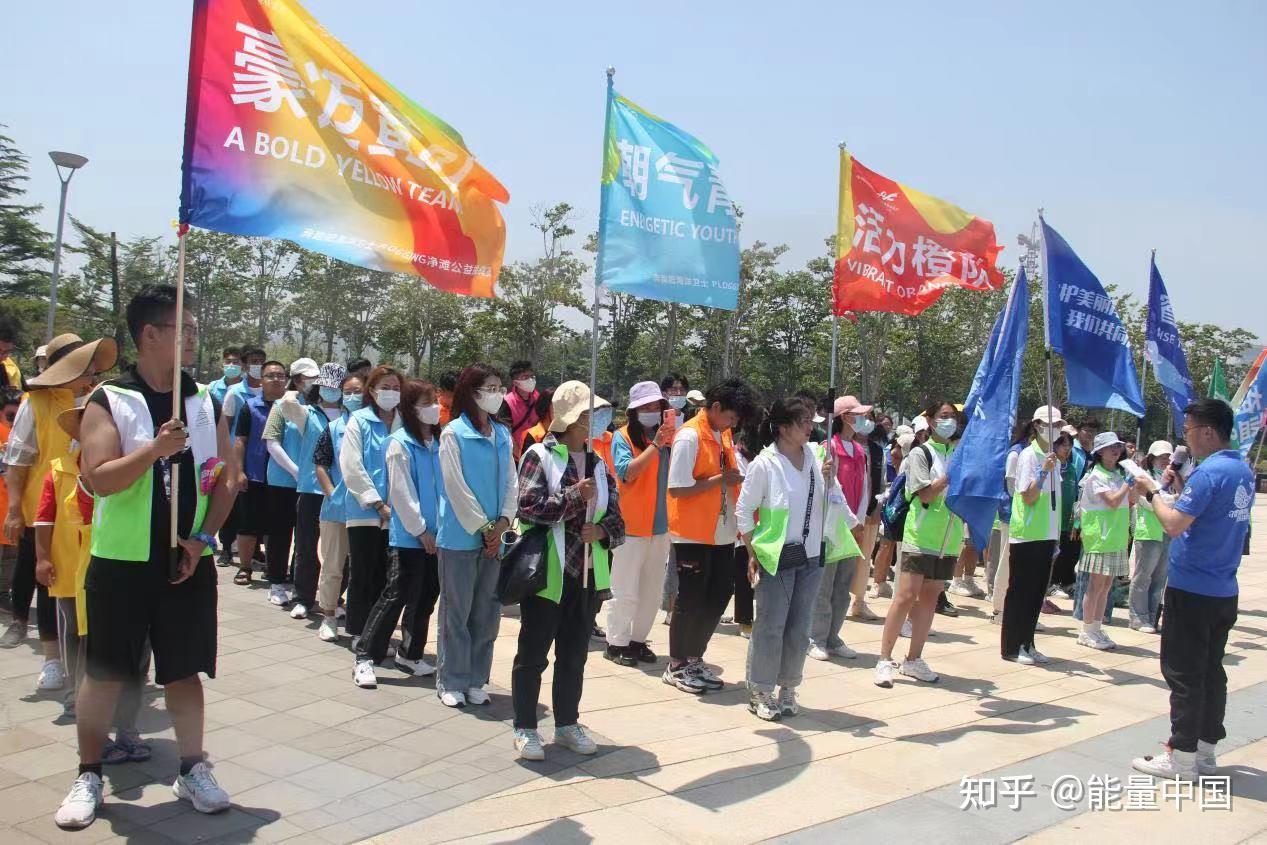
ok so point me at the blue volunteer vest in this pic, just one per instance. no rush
(334, 508)
(291, 438)
(485, 469)
(256, 448)
(424, 468)
(239, 390)
(373, 456)
(318, 422)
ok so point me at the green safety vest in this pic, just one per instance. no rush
(932, 526)
(121, 522)
(555, 461)
(1032, 522)
(1147, 525)
(1104, 529)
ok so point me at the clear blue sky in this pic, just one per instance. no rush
(1136, 125)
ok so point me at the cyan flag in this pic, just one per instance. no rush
(1161, 344)
(667, 229)
(1249, 416)
(1083, 327)
(976, 468)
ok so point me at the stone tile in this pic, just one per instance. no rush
(235, 711)
(29, 800)
(280, 727)
(150, 804)
(385, 760)
(336, 779)
(226, 743)
(14, 740)
(280, 761)
(35, 763)
(279, 796)
(328, 713)
(192, 826)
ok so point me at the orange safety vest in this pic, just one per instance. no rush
(638, 497)
(603, 448)
(46, 404)
(538, 433)
(694, 518)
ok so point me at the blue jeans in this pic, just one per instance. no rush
(1148, 580)
(470, 615)
(832, 603)
(780, 631)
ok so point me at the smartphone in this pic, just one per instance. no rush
(670, 419)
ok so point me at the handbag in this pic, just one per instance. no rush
(524, 566)
(794, 555)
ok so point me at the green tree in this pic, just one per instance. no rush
(421, 322)
(24, 246)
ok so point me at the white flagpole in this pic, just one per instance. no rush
(831, 379)
(1046, 283)
(1143, 386)
(177, 360)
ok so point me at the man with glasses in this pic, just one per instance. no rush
(257, 507)
(1208, 522)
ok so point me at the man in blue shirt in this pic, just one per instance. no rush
(1208, 522)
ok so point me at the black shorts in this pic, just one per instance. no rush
(931, 567)
(129, 602)
(254, 508)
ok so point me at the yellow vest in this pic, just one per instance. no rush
(52, 442)
(71, 536)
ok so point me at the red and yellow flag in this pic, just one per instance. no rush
(897, 248)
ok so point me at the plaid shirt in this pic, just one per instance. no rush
(537, 506)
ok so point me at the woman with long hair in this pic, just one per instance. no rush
(332, 545)
(1106, 533)
(363, 462)
(1152, 546)
(478, 500)
(413, 581)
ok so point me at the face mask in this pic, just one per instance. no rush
(526, 385)
(387, 399)
(302, 384)
(648, 419)
(332, 413)
(677, 403)
(429, 414)
(946, 428)
(255, 370)
(863, 425)
(490, 403)
(353, 401)
(599, 421)
(330, 394)
(232, 370)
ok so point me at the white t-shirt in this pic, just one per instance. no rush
(1028, 466)
(755, 493)
(682, 474)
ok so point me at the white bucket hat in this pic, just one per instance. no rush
(571, 400)
(644, 393)
(1104, 440)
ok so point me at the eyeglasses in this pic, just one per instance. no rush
(500, 391)
(274, 377)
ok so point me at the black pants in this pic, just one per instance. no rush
(706, 579)
(566, 625)
(307, 534)
(1063, 572)
(281, 523)
(1192, 646)
(367, 573)
(743, 587)
(1028, 572)
(413, 585)
(25, 587)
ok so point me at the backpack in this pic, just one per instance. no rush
(898, 504)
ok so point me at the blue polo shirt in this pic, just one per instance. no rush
(1220, 495)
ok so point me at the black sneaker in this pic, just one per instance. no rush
(642, 653)
(598, 634)
(619, 655)
(944, 607)
(683, 679)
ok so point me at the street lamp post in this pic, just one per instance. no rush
(71, 162)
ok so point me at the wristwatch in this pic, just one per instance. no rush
(1149, 496)
(207, 540)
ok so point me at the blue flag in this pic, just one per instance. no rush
(1161, 345)
(976, 468)
(1248, 421)
(1083, 327)
(667, 229)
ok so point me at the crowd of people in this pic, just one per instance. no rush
(373, 501)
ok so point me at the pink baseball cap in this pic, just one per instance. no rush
(849, 405)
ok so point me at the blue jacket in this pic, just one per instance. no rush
(256, 449)
(318, 422)
(373, 456)
(424, 468)
(486, 470)
(278, 477)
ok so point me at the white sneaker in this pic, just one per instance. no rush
(418, 668)
(1207, 762)
(277, 595)
(844, 651)
(1168, 765)
(1058, 593)
(52, 677)
(1037, 656)
(996, 618)
(884, 590)
(1147, 629)
(79, 807)
(1023, 658)
(975, 590)
(574, 738)
(884, 673)
(528, 744)
(1090, 641)
(329, 630)
(818, 652)
(340, 612)
(918, 670)
(787, 702)
(764, 707)
(363, 675)
(452, 699)
(1104, 638)
(959, 588)
(906, 629)
(200, 788)
(299, 611)
(476, 695)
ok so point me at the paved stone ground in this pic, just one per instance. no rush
(306, 754)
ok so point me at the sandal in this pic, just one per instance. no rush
(112, 753)
(242, 578)
(137, 750)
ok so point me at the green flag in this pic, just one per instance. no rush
(1218, 383)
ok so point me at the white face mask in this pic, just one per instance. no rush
(490, 403)
(946, 428)
(387, 399)
(255, 370)
(863, 425)
(677, 403)
(648, 419)
(332, 413)
(526, 385)
(429, 414)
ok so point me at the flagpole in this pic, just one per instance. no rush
(177, 360)
(1046, 333)
(831, 382)
(1143, 387)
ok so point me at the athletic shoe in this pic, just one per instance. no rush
(1146, 629)
(13, 637)
(598, 634)
(51, 676)
(1104, 638)
(859, 610)
(726, 620)
(79, 807)
(1169, 765)
(1086, 639)
(1207, 762)
(1022, 657)
(528, 744)
(989, 596)
(1049, 607)
(1060, 593)
(959, 588)
(225, 558)
(451, 699)
(418, 668)
(477, 695)
(68, 707)
(683, 679)
(363, 674)
(574, 738)
(916, 668)
(643, 654)
(745, 631)
(996, 617)
(883, 590)
(974, 589)
(199, 787)
(763, 705)
(277, 595)
(844, 651)
(884, 673)
(906, 629)
(299, 611)
(1037, 656)
(340, 612)
(329, 630)
(944, 607)
(817, 652)
(706, 675)
(620, 655)
(787, 702)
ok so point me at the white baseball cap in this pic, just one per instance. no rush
(644, 393)
(305, 367)
(921, 424)
(1048, 414)
(1160, 447)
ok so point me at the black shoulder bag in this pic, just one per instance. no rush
(794, 555)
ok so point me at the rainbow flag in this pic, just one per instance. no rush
(897, 248)
(288, 135)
